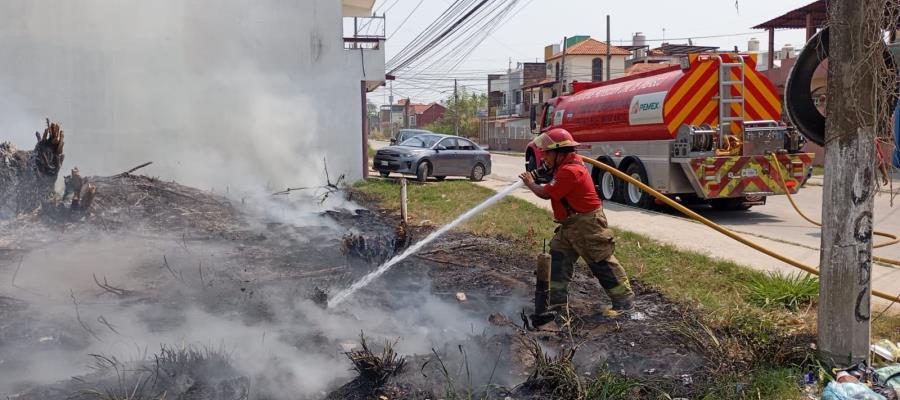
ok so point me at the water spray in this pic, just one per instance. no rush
(344, 294)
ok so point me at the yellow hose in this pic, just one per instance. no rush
(686, 211)
(893, 237)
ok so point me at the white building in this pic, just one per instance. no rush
(232, 94)
(585, 61)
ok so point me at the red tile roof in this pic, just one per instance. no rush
(591, 47)
(645, 67)
(418, 108)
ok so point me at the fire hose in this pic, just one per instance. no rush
(721, 229)
(893, 237)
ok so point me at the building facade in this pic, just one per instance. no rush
(507, 126)
(583, 61)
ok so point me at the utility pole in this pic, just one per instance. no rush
(456, 105)
(849, 187)
(562, 68)
(391, 116)
(608, 49)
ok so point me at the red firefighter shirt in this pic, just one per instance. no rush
(572, 182)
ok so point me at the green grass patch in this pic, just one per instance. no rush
(787, 291)
(768, 383)
(818, 171)
(438, 203)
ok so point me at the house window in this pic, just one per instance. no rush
(557, 71)
(412, 120)
(518, 96)
(597, 69)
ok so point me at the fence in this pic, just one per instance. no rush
(508, 135)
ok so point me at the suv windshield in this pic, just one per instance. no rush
(423, 141)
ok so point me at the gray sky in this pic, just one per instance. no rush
(542, 22)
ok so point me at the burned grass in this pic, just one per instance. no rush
(553, 376)
(184, 372)
(374, 368)
(735, 348)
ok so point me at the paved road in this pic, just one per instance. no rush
(775, 225)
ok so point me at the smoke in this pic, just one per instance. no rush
(235, 94)
(241, 97)
(288, 346)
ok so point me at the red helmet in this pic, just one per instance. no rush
(554, 139)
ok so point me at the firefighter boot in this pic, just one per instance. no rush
(613, 279)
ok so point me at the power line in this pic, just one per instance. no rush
(405, 19)
(438, 39)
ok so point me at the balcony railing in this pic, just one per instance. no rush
(364, 32)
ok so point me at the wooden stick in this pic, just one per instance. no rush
(403, 200)
(135, 168)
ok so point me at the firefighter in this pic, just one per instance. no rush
(582, 230)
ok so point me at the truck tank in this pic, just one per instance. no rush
(653, 105)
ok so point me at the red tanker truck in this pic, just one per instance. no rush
(707, 131)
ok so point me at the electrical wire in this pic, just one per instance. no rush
(405, 19)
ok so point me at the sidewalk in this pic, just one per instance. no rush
(690, 235)
(893, 186)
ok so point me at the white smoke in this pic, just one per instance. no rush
(227, 94)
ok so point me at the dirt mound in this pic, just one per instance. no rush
(126, 200)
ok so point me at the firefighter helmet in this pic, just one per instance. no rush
(555, 139)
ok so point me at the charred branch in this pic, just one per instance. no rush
(78, 317)
(126, 173)
(110, 288)
(322, 191)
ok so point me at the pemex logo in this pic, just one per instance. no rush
(635, 106)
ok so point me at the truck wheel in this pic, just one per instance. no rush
(530, 163)
(477, 173)
(422, 171)
(609, 187)
(633, 195)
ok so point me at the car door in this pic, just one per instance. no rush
(466, 156)
(442, 161)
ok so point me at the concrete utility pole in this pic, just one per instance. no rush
(456, 104)
(562, 68)
(608, 50)
(849, 187)
(391, 112)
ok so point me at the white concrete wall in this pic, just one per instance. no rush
(578, 68)
(235, 93)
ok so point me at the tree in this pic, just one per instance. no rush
(371, 108)
(465, 110)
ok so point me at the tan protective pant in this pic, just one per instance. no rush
(585, 235)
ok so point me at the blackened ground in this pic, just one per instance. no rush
(227, 258)
(497, 277)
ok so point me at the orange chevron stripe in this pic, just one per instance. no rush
(754, 95)
(705, 114)
(689, 107)
(689, 83)
(703, 104)
(767, 91)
